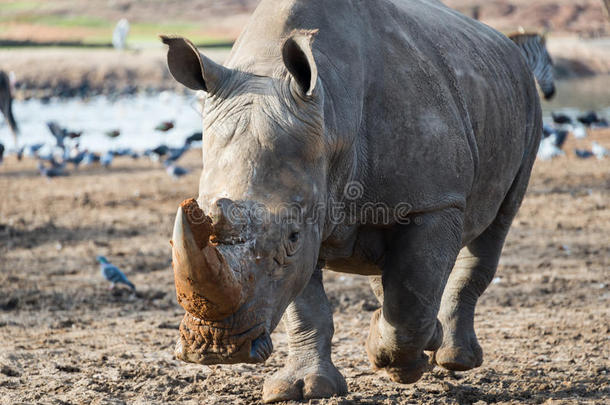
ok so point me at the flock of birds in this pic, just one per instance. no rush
(556, 133)
(55, 159)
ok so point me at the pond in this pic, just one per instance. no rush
(137, 116)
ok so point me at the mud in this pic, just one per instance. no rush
(543, 323)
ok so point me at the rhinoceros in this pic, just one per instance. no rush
(387, 138)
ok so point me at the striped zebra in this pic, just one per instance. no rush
(533, 49)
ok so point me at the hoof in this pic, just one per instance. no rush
(287, 385)
(409, 373)
(459, 358)
(403, 365)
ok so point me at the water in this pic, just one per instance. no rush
(581, 94)
(136, 117)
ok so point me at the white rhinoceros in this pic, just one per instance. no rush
(329, 123)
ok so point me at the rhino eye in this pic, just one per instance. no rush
(292, 244)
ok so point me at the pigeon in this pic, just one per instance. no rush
(156, 153)
(579, 131)
(197, 136)
(559, 118)
(588, 118)
(599, 151)
(32, 150)
(1, 152)
(106, 159)
(164, 126)
(601, 123)
(90, 158)
(560, 137)
(19, 153)
(548, 148)
(583, 154)
(77, 159)
(175, 171)
(58, 132)
(115, 133)
(113, 274)
(50, 172)
(548, 130)
(176, 153)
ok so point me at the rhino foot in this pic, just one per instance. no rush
(293, 384)
(403, 364)
(459, 354)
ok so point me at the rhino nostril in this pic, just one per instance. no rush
(228, 219)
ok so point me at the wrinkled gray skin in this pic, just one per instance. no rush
(6, 104)
(415, 102)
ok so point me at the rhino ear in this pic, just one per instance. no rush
(298, 58)
(190, 67)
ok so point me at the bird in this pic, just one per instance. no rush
(77, 158)
(583, 154)
(32, 150)
(74, 134)
(157, 153)
(106, 159)
(1, 152)
(50, 172)
(579, 131)
(90, 158)
(176, 171)
(559, 118)
(58, 132)
(548, 148)
(598, 150)
(120, 33)
(112, 273)
(548, 130)
(195, 137)
(115, 133)
(560, 137)
(176, 153)
(601, 123)
(165, 126)
(588, 118)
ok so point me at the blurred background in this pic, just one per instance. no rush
(101, 145)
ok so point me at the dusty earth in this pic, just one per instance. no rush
(66, 338)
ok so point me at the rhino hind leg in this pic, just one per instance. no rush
(474, 269)
(416, 268)
(309, 372)
(473, 272)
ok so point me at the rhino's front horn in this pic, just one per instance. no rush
(206, 286)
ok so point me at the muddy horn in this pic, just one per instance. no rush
(206, 286)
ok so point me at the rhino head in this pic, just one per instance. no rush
(247, 246)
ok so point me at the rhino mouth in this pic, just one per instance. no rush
(204, 342)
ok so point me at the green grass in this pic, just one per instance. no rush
(94, 30)
(13, 6)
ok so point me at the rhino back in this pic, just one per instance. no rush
(424, 105)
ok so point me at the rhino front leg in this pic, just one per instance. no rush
(309, 372)
(416, 268)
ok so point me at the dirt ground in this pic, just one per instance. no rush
(544, 323)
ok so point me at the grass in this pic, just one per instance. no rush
(13, 6)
